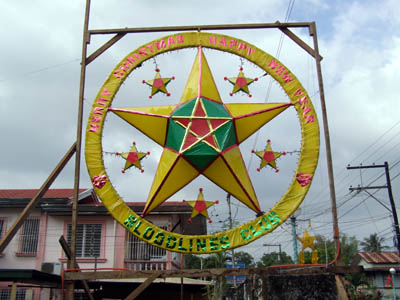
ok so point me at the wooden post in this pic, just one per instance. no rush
(68, 253)
(13, 295)
(313, 33)
(85, 41)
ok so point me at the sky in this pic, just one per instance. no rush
(358, 40)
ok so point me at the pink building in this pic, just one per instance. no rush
(101, 241)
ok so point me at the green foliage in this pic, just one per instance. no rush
(216, 260)
(271, 259)
(358, 287)
(373, 243)
(192, 261)
(242, 257)
(327, 250)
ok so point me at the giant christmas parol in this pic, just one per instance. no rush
(200, 136)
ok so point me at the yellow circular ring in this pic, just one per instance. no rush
(246, 232)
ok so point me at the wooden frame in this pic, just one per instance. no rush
(119, 34)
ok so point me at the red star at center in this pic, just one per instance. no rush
(200, 127)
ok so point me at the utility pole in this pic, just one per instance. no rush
(388, 186)
(280, 251)
(228, 199)
(294, 238)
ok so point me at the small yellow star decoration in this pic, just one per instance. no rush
(307, 241)
(158, 84)
(200, 206)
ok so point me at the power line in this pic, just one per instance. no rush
(40, 70)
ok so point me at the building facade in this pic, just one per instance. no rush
(377, 267)
(101, 242)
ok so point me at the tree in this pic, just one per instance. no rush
(373, 243)
(273, 258)
(245, 258)
(218, 260)
(192, 261)
(327, 250)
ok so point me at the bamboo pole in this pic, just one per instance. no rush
(313, 33)
(85, 41)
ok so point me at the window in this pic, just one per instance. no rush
(88, 239)
(29, 237)
(137, 249)
(5, 294)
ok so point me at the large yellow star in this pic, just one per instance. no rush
(307, 241)
(201, 135)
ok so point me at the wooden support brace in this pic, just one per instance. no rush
(67, 252)
(31, 205)
(103, 48)
(342, 295)
(143, 286)
(298, 41)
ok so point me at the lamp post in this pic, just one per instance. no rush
(392, 272)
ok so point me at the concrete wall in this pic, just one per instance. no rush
(300, 287)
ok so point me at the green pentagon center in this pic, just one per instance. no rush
(226, 135)
(184, 109)
(200, 155)
(215, 109)
(175, 135)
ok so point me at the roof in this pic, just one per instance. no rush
(380, 257)
(24, 194)
(30, 276)
(58, 202)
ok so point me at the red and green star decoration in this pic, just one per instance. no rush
(158, 84)
(268, 157)
(241, 83)
(200, 206)
(201, 136)
(133, 158)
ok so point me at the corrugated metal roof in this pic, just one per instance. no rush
(380, 257)
(25, 194)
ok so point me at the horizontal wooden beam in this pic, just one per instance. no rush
(199, 27)
(213, 272)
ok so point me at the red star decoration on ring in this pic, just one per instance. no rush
(268, 157)
(200, 206)
(201, 136)
(133, 158)
(158, 84)
(241, 83)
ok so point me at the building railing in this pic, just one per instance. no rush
(139, 265)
